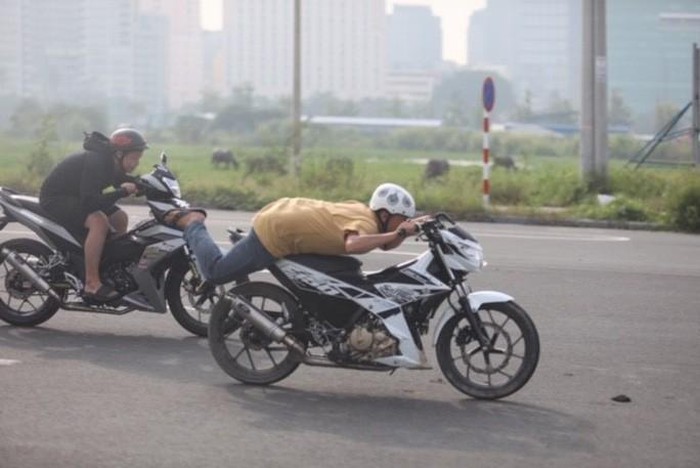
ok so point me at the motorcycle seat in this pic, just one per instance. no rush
(30, 203)
(338, 266)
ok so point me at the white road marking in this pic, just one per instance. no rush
(563, 237)
(8, 362)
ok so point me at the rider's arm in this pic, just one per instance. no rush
(362, 243)
(97, 173)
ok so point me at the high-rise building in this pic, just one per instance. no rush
(214, 63)
(536, 42)
(650, 51)
(414, 39)
(10, 52)
(107, 29)
(185, 48)
(151, 69)
(52, 48)
(343, 45)
(139, 58)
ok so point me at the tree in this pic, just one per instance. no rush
(664, 113)
(523, 111)
(26, 118)
(71, 121)
(243, 96)
(40, 161)
(457, 96)
(191, 128)
(457, 114)
(561, 111)
(619, 113)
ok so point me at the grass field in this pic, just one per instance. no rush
(542, 186)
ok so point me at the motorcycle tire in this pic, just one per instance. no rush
(240, 349)
(189, 305)
(21, 303)
(499, 371)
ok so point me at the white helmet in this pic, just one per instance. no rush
(394, 199)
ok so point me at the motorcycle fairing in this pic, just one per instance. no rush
(150, 295)
(40, 225)
(307, 279)
(402, 291)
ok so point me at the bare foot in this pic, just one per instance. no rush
(182, 220)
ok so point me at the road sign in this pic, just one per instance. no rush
(488, 94)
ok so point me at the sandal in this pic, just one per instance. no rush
(102, 295)
(171, 217)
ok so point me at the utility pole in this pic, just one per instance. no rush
(296, 98)
(695, 131)
(594, 95)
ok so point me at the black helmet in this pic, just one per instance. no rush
(127, 139)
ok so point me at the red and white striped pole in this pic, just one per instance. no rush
(488, 96)
(487, 167)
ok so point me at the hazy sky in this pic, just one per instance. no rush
(454, 14)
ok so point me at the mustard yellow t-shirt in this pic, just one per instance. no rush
(302, 225)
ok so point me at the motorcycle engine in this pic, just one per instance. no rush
(369, 340)
(119, 278)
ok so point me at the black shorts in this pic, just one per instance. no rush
(68, 212)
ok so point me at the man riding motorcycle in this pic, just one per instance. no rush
(72, 195)
(301, 226)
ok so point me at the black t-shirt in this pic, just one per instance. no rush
(84, 176)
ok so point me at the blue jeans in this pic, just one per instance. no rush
(247, 256)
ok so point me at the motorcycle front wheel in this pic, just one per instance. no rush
(21, 303)
(498, 369)
(241, 350)
(190, 299)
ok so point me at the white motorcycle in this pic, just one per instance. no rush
(327, 312)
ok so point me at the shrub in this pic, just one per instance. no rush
(621, 209)
(268, 163)
(641, 184)
(222, 198)
(684, 209)
(508, 189)
(328, 173)
(557, 186)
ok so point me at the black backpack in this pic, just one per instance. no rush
(97, 142)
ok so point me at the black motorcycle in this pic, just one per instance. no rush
(150, 266)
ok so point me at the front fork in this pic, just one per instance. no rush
(469, 305)
(472, 316)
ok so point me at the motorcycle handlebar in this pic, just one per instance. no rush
(141, 187)
(434, 223)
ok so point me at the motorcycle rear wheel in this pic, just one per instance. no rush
(240, 349)
(21, 303)
(500, 370)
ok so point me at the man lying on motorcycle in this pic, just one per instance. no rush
(302, 226)
(72, 195)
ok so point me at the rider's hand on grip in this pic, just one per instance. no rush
(129, 187)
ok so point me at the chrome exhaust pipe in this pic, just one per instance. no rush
(28, 272)
(263, 323)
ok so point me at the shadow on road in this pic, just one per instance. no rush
(402, 421)
(462, 425)
(179, 359)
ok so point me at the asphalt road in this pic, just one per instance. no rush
(617, 311)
